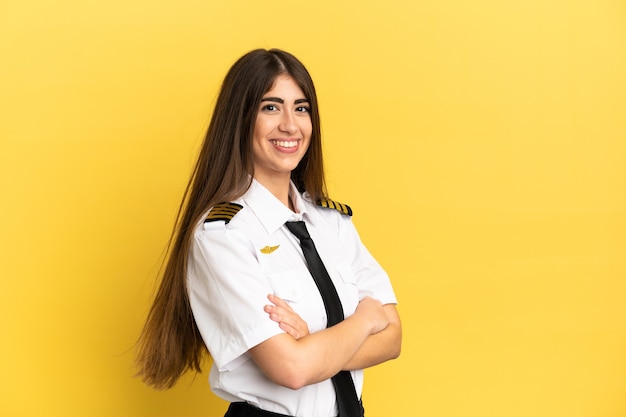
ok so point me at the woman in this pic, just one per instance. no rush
(260, 168)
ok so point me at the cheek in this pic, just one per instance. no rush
(259, 134)
(307, 143)
(257, 141)
(307, 129)
(258, 130)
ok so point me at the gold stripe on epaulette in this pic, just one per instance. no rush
(343, 208)
(223, 211)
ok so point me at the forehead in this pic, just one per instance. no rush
(285, 85)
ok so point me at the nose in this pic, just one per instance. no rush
(288, 122)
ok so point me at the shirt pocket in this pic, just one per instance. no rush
(346, 274)
(347, 288)
(284, 287)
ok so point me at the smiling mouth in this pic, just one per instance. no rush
(285, 143)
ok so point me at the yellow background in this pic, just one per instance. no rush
(481, 144)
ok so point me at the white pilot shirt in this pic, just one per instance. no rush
(234, 266)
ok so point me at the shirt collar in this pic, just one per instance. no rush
(269, 210)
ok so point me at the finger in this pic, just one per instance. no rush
(288, 322)
(290, 330)
(273, 313)
(299, 326)
(279, 311)
(276, 300)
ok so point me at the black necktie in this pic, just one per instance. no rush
(347, 400)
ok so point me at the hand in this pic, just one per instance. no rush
(372, 310)
(287, 319)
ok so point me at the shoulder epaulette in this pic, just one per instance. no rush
(223, 211)
(342, 208)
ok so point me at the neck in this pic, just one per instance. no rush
(279, 187)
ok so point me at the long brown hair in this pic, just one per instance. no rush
(170, 343)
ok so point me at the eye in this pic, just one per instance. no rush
(303, 109)
(269, 107)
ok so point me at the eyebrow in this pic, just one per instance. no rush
(281, 101)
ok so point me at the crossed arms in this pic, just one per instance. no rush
(372, 335)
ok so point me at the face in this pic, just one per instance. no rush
(282, 131)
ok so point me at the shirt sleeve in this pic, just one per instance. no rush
(227, 293)
(371, 278)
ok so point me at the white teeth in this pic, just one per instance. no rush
(285, 143)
